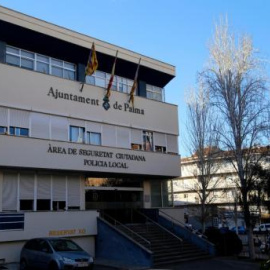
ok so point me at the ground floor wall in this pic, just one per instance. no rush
(55, 204)
(81, 226)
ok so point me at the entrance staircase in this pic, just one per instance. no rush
(166, 247)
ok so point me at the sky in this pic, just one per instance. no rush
(176, 32)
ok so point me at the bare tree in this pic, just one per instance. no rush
(203, 145)
(237, 90)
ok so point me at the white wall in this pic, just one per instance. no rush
(60, 223)
(35, 96)
(41, 154)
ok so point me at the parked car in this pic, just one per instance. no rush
(241, 230)
(54, 254)
(264, 227)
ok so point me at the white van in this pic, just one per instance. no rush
(262, 228)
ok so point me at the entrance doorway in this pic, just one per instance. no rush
(113, 193)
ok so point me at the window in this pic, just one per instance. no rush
(43, 64)
(43, 205)
(93, 138)
(40, 63)
(44, 246)
(100, 79)
(161, 149)
(147, 141)
(3, 130)
(59, 205)
(122, 85)
(19, 131)
(135, 146)
(26, 205)
(153, 92)
(77, 134)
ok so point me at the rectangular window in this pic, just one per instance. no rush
(3, 130)
(27, 205)
(40, 63)
(154, 92)
(77, 134)
(19, 131)
(147, 141)
(161, 149)
(122, 85)
(59, 205)
(100, 79)
(135, 146)
(93, 138)
(43, 205)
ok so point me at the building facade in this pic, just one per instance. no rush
(64, 156)
(222, 189)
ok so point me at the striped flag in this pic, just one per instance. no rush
(134, 86)
(92, 63)
(108, 93)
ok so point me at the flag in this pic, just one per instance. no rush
(108, 94)
(92, 63)
(134, 86)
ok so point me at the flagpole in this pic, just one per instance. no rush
(83, 84)
(106, 99)
(134, 86)
(108, 93)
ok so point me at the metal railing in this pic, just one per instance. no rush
(163, 229)
(125, 229)
(188, 232)
(182, 225)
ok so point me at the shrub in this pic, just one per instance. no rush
(227, 243)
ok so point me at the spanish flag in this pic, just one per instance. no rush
(108, 93)
(92, 63)
(134, 86)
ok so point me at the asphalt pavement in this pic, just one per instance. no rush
(216, 263)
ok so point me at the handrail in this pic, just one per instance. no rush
(127, 228)
(175, 221)
(175, 236)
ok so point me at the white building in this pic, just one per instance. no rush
(223, 188)
(63, 156)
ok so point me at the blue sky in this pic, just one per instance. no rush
(173, 31)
